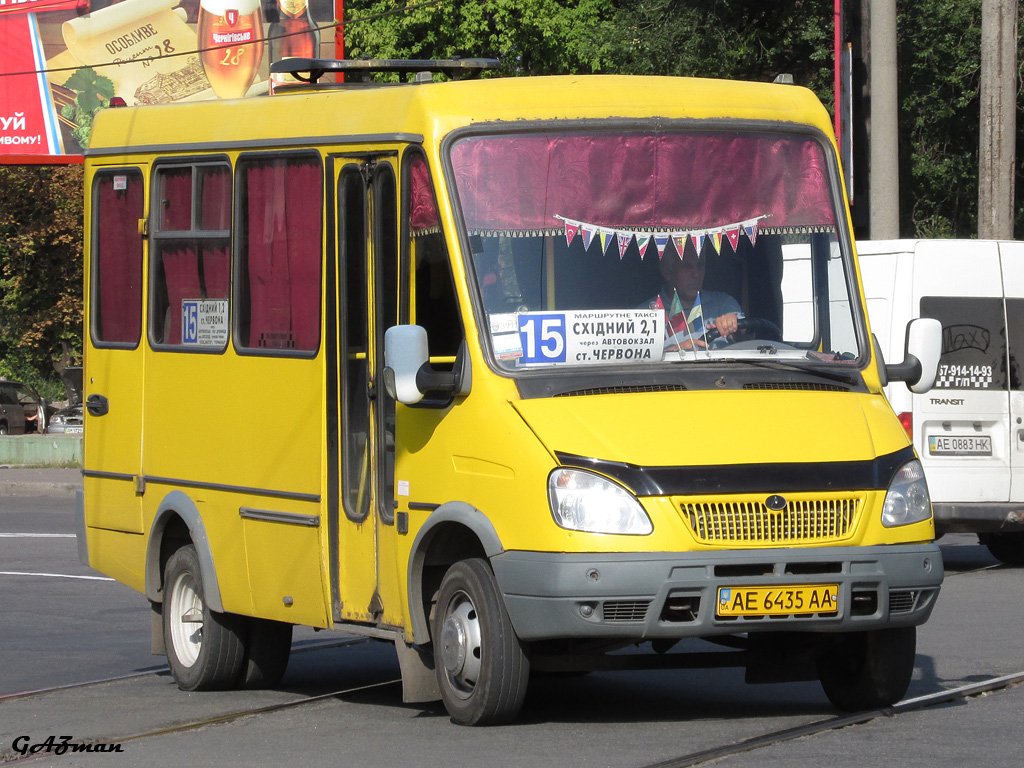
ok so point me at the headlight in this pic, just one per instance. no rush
(58, 420)
(583, 501)
(907, 499)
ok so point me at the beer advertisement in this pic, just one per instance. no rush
(62, 61)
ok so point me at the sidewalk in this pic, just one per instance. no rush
(29, 481)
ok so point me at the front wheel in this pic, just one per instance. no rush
(481, 667)
(204, 648)
(868, 670)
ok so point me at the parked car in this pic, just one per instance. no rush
(22, 410)
(68, 421)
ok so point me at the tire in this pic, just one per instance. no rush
(1008, 547)
(869, 670)
(268, 645)
(205, 649)
(3, 429)
(482, 670)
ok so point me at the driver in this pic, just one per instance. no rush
(688, 319)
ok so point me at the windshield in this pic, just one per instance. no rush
(638, 248)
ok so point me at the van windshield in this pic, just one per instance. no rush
(627, 248)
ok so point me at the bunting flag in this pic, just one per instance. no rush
(679, 242)
(698, 240)
(716, 241)
(571, 228)
(642, 241)
(660, 241)
(624, 236)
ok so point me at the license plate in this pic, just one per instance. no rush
(73, 430)
(960, 445)
(799, 600)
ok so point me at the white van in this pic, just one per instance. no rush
(969, 429)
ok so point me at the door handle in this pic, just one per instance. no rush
(97, 405)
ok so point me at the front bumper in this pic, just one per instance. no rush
(645, 596)
(978, 517)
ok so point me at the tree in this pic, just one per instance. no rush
(40, 272)
(536, 37)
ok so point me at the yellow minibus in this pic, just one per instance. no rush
(513, 373)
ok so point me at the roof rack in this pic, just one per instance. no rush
(311, 70)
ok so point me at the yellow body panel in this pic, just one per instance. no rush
(226, 429)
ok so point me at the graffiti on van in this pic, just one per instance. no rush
(959, 337)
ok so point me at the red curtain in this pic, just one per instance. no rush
(118, 259)
(176, 200)
(215, 198)
(677, 180)
(423, 216)
(284, 253)
(181, 269)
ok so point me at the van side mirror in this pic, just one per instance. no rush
(921, 358)
(409, 376)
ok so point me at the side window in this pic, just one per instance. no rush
(355, 338)
(973, 341)
(116, 279)
(1015, 324)
(279, 240)
(191, 254)
(433, 303)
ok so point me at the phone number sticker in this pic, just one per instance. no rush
(580, 337)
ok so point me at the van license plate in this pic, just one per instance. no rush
(778, 601)
(960, 445)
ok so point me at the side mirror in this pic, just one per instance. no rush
(921, 360)
(408, 375)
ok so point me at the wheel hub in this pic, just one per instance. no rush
(461, 645)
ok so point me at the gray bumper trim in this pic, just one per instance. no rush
(623, 595)
(978, 517)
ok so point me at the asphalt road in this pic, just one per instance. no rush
(340, 702)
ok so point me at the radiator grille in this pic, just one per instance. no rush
(803, 521)
(625, 610)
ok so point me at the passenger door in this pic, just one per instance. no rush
(963, 423)
(1012, 256)
(361, 443)
(114, 360)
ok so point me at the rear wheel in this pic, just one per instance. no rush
(267, 648)
(868, 670)
(204, 648)
(481, 667)
(1008, 547)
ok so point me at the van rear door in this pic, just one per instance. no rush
(1012, 256)
(962, 427)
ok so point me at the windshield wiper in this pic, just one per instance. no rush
(776, 364)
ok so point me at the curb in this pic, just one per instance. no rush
(53, 490)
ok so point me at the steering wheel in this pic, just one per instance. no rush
(756, 327)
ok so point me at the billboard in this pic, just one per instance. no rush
(62, 61)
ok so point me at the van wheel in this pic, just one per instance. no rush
(1008, 547)
(481, 667)
(868, 670)
(204, 648)
(3, 429)
(267, 648)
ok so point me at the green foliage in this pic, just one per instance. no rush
(535, 37)
(40, 273)
(93, 92)
(735, 39)
(939, 50)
